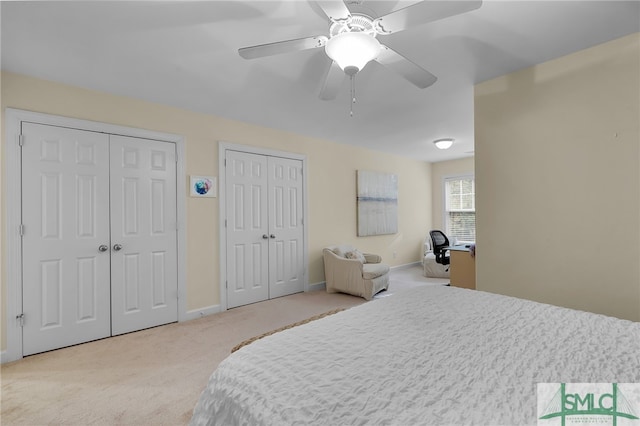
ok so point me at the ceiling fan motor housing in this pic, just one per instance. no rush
(358, 23)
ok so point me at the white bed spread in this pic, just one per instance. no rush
(430, 355)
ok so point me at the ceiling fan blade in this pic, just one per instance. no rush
(336, 10)
(421, 13)
(279, 47)
(332, 82)
(412, 72)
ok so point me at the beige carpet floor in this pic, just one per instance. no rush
(154, 376)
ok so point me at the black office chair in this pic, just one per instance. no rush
(439, 241)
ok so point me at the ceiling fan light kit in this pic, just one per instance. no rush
(445, 143)
(352, 50)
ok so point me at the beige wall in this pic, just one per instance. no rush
(557, 152)
(440, 171)
(331, 178)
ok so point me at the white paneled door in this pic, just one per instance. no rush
(99, 237)
(247, 229)
(144, 266)
(66, 262)
(264, 227)
(286, 266)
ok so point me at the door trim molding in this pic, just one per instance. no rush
(223, 147)
(13, 211)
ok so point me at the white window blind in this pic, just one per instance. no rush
(460, 208)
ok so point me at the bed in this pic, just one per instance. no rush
(429, 355)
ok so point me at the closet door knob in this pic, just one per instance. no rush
(103, 247)
(117, 247)
(265, 236)
(272, 236)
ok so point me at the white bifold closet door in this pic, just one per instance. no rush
(99, 243)
(264, 227)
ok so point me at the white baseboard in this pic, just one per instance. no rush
(200, 313)
(318, 286)
(9, 356)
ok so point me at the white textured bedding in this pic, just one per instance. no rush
(430, 355)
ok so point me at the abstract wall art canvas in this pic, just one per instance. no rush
(203, 186)
(377, 203)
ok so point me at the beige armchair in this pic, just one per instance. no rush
(348, 271)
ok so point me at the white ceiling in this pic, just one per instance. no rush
(185, 54)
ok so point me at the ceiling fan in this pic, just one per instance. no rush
(352, 40)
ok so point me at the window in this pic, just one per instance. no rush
(460, 208)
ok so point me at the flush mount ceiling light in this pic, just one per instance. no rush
(352, 50)
(443, 143)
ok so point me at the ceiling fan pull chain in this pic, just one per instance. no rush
(353, 93)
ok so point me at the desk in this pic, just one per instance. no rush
(462, 269)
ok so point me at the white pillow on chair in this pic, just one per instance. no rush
(355, 254)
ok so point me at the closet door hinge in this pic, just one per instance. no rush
(21, 140)
(20, 320)
(21, 229)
